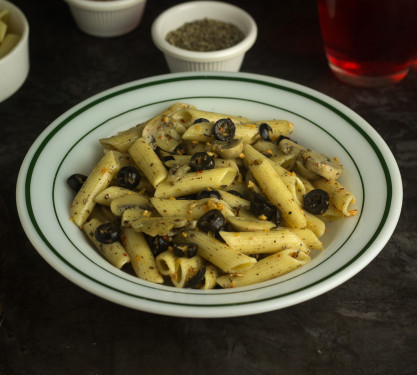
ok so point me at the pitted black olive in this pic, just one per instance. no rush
(212, 221)
(208, 193)
(188, 250)
(316, 201)
(158, 244)
(262, 207)
(107, 233)
(264, 130)
(201, 161)
(196, 121)
(197, 279)
(224, 129)
(75, 181)
(128, 177)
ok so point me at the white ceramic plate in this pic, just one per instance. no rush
(70, 145)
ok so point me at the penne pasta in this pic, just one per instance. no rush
(234, 200)
(179, 269)
(275, 189)
(191, 209)
(339, 195)
(148, 162)
(315, 224)
(247, 210)
(129, 201)
(114, 253)
(101, 176)
(123, 140)
(141, 257)
(242, 224)
(268, 268)
(166, 263)
(189, 115)
(158, 226)
(248, 132)
(186, 269)
(309, 238)
(210, 277)
(218, 253)
(263, 242)
(106, 196)
(193, 182)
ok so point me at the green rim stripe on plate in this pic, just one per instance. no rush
(171, 80)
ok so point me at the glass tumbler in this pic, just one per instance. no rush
(369, 42)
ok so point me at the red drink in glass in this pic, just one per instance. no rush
(368, 42)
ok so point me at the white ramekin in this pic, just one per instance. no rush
(14, 67)
(107, 18)
(181, 60)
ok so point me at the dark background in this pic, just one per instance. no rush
(368, 325)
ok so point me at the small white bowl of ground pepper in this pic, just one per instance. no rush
(204, 36)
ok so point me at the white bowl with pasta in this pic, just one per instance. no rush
(44, 199)
(14, 49)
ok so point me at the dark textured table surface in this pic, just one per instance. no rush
(368, 325)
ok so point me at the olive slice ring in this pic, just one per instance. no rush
(107, 233)
(316, 201)
(264, 130)
(128, 177)
(209, 193)
(201, 161)
(76, 181)
(224, 129)
(158, 244)
(212, 221)
(262, 207)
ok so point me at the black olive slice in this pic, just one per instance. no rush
(75, 181)
(128, 177)
(197, 279)
(262, 207)
(212, 221)
(158, 244)
(201, 161)
(208, 193)
(276, 217)
(235, 192)
(224, 129)
(179, 150)
(190, 197)
(188, 250)
(264, 130)
(167, 158)
(107, 233)
(196, 121)
(316, 201)
(280, 138)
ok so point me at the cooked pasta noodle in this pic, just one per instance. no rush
(214, 201)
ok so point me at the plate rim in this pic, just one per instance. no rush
(373, 139)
